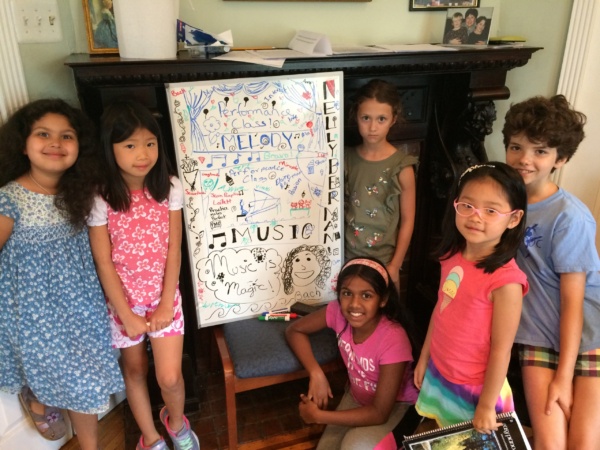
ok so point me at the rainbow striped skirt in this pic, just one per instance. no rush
(449, 403)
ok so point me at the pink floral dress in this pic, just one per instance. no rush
(139, 243)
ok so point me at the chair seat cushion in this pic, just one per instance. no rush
(260, 349)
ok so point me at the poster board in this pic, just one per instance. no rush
(260, 160)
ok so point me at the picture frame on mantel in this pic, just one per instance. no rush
(100, 26)
(440, 5)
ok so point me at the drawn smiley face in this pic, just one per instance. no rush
(305, 268)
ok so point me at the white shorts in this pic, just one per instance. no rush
(117, 330)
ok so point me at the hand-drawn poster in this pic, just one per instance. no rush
(260, 160)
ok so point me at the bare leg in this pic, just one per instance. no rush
(549, 431)
(168, 353)
(135, 371)
(584, 429)
(86, 427)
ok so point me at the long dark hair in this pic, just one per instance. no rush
(76, 186)
(395, 309)
(120, 120)
(513, 188)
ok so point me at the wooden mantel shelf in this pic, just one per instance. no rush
(95, 68)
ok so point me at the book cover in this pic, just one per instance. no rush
(462, 436)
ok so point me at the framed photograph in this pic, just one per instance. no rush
(100, 26)
(438, 5)
(467, 26)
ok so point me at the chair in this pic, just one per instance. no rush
(255, 354)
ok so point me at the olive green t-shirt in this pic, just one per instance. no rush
(372, 204)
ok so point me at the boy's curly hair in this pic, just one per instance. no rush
(549, 120)
(77, 185)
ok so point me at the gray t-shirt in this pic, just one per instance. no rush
(560, 238)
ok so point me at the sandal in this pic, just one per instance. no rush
(51, 425)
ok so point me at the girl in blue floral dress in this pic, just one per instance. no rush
(54, 332)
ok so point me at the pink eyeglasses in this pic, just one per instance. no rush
(485, 214)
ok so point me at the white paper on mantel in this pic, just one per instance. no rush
(408, 48)
(354, 49)
(303, 44)
(310, 43)
(225, 36)
(244, 56)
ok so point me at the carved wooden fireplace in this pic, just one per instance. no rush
(448, 106)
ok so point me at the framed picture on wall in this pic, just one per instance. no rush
(435, 5)
(100, 26)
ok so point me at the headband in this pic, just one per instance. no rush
(475, 167)
(372, 264)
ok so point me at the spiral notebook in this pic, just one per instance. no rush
(509, 436)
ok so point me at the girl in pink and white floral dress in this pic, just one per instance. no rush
(135, 234)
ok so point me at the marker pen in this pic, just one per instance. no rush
(280, 317)
(271, 313)
(278, 310)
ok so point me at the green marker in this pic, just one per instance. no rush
(279, 317)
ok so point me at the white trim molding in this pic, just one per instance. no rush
(13, 90)
(578, 83)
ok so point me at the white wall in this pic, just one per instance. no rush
(545, 24)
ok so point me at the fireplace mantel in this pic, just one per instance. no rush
(487, 68)
(448, 109)
(186, 69)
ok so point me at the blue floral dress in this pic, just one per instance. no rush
(54, 333)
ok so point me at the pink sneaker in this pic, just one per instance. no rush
(184, 439)
(158, 445)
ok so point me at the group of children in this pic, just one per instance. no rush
(56, 333)
(518, 264)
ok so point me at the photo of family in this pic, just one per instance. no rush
(468, 26)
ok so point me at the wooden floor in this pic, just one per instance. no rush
(263, 423)
(267, 418)
(112, 436)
